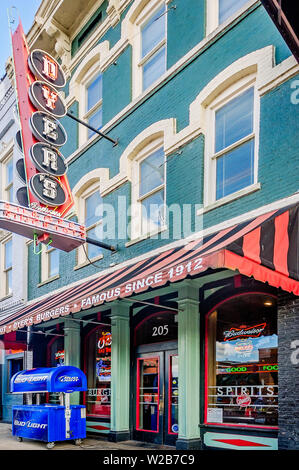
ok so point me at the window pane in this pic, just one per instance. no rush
(154, 68)
(9, 172)
(95, 233)
(53, 263)
(153, 212)
(93, 205)
(95, 120)
(148, 394)
(152, 172)
(228, 7)
(8, 281)
(234, 120)
(242, 359)
(153, 32)
(94, 92)
(235, 170)
(8, 255)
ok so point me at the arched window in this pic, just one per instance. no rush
(86, 86)
(148, 36)
(93, 103)
(218, 11)
(90, 203)
(241, 362)
(231, 157)
(149, 189)
(88, 206)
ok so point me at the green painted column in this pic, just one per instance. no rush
(72, 342)
(120, 372)
(189, 362)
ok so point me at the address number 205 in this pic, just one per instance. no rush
(161, 330)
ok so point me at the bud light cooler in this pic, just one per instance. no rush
(47, 422)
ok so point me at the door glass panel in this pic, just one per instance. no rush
(173, 395)
(148, 394)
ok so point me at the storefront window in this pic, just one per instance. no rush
(98, 371)
(242, 369)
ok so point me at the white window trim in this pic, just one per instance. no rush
(210, 159)
(136, 39)
(45, 277)
(3, 293)
(5, 188)
(212, 9)
(88, 78)
(81, 195)
(136, 201)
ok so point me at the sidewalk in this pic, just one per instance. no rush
(9, 442)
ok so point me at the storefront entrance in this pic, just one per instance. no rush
(156, 396)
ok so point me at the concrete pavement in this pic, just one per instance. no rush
(9, 442)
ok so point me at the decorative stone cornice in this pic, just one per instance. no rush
(62, 44)
(113, 12)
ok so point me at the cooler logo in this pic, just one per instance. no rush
(31, 378)
(244, 332)
(29, 424)
(67, 378)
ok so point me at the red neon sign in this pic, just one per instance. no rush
(26, 74)
(244, 332)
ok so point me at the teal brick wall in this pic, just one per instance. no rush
(71, 128)
(187, 16)
(117, 90)
(185, 169)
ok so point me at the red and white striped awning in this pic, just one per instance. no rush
(265, 247)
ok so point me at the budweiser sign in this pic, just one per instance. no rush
(244, 332)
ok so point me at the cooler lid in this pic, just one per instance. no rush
(49, 379)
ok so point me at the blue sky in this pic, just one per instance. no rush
(26, 10)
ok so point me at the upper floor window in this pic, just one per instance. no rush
(49, 263)
(234, 144)
(231, 145)
(8, 180)
(153, 48)
(93, 104)
(148, 190)
(148, 36)
(6, 283)
(218, 11)
(93, 222)
(228, 7)
(152, 191)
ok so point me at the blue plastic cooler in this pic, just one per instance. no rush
(50, 423)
